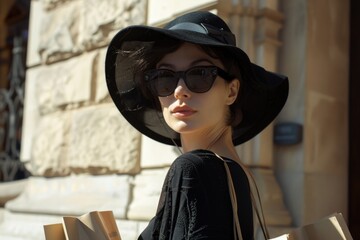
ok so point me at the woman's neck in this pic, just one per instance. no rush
(218, 141)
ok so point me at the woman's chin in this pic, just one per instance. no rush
(181, 127)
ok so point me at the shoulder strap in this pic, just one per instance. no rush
(237, 228)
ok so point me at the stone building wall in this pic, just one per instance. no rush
(70, 123)
(84, 156)
(315, 56)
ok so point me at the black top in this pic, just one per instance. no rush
(195, 201)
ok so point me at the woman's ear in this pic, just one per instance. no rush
(234, 87)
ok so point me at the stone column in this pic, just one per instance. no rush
(314, 173)
(256, 25)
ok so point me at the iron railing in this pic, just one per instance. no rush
(11, 114)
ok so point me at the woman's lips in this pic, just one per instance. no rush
(182, 111)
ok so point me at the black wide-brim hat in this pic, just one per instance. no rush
(263, 93)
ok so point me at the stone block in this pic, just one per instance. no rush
(53, 88)
(155, 154)
(31, 113)
(245, 152)
(48, 156)
(10, 190)
(159, 11)
(102, 141)
(259, 150)
(59, 35)
(74, 195)
(146, 193)
(36, 17)
(88, 24)
(101, 18)
(142, 226)
(20, 226)
(50, 4)
(274, 209)
(65, 83)
(101, 90)
(129, 229)
(94, 140)
(312, 196)
(324, 194)
(326, 134)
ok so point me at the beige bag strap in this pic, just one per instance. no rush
(262, 217)
(237, 228)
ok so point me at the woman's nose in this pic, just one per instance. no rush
(181, 89)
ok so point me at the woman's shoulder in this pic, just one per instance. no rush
(188, 169)
(196, 158)
(201, 156)
(197, 161)
(205, 161)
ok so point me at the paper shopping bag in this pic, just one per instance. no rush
(332, 227)
(54, 231)
(97, 225)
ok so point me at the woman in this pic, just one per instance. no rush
(188, 85)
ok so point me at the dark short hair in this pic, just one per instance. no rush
(146, 58)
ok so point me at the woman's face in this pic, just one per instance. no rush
(187, 112)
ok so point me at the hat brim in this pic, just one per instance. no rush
(266, 92)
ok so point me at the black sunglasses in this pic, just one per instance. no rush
(198, 79)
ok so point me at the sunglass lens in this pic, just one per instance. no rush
(165, 83)
(200, 79)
